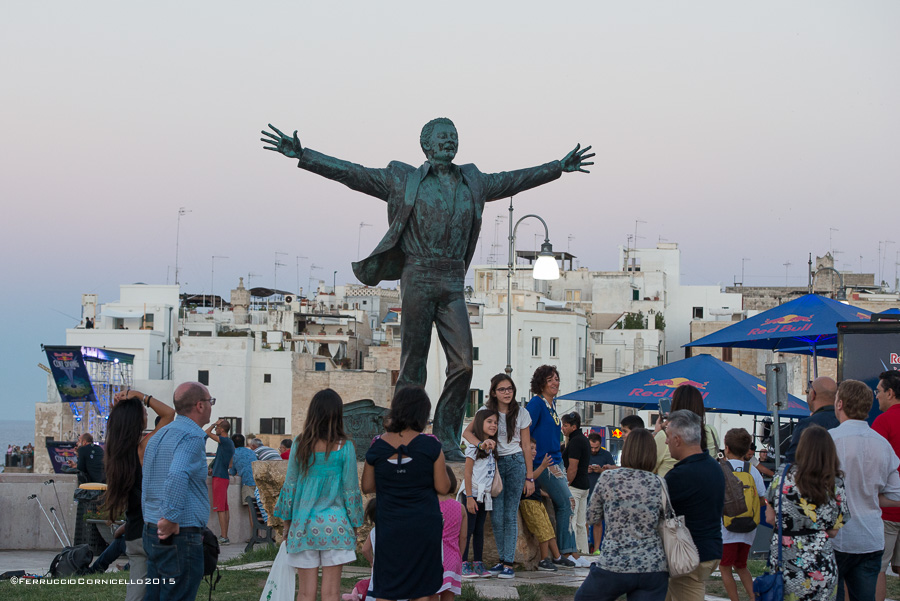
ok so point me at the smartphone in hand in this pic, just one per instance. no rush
(665, 406)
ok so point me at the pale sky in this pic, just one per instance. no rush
(738, 130)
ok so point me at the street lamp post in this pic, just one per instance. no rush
(545, 268)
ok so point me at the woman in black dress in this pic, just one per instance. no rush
(406, 470)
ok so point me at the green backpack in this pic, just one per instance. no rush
(748, 520)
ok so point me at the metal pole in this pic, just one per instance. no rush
(509, 271)
(777, 435)
(509, 268)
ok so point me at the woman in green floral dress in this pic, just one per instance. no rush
(812, 510)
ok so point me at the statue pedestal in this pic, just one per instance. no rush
(270, 475)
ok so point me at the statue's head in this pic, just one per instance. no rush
(439, 139)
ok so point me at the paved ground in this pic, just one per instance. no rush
(38, 562)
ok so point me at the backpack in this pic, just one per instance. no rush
(211, 559)
(73, 561)
(735, 504)
(748, 520)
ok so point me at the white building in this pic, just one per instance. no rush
(143, 323)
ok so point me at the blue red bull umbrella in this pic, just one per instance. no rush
(725, 389)
(805, 325)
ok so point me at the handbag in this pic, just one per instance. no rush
(681, 552)
(497, 484)
(770, 586)
(280, 583)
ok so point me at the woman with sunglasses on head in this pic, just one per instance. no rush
(513, 437)
(547, 434)
(125, 445)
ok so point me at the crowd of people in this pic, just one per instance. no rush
(19, 456)
(837, 499)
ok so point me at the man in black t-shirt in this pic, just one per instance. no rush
(697, 490)
(90, 461)
(599, 458)
(577, 459)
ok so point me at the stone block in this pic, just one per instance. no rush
(269, 476)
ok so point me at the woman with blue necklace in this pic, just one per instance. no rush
(547, 434)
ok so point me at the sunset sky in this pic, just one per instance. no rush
(764, 130)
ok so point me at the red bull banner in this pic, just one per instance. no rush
(60, 452)
(70, 374)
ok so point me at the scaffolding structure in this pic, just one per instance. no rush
(110, 372)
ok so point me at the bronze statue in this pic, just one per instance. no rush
(434, 215)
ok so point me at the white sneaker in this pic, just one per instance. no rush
(581, 562)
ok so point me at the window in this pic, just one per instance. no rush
(475, 353)
(573, 296)
(635, 294)
(203, 377)
(236, 424)
(158, 357)
(554, 348)
(365, 302)
(148, 321)
(536, 346)
(267, 378)
(726, 354)
(271, 425)
(320, 366)
(598, 365)
(698, 312)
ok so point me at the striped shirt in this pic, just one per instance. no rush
(174, 483)
(267, 453)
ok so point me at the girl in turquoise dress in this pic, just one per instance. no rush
(320, 501)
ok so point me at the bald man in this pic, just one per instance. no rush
(820, 398)
(175, 499)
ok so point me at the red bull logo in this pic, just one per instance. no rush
(761, 388)
(676, 382)
(64, 356)
(785, 323)
(787, 319)
(863, 315)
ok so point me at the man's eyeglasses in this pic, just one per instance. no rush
(211, 400)
(504, 389)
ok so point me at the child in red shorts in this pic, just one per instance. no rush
(736, 545)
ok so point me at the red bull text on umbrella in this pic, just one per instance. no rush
(671, 384)
(784, 324)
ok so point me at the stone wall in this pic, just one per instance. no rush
(23, 525)
(269, 476)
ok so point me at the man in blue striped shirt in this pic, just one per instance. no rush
(175, 500)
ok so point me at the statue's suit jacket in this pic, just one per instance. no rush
(398, 185)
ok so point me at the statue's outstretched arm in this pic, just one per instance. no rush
(374, 182)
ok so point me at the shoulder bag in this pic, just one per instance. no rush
(681, 552)
(770, 586)
(497, 484)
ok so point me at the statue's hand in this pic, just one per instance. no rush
(289, 147)
(574, 161)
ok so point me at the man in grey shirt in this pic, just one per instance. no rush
(870, 471)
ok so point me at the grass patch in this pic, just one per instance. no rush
(541, 592)
(257, 553)
(234, 585)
